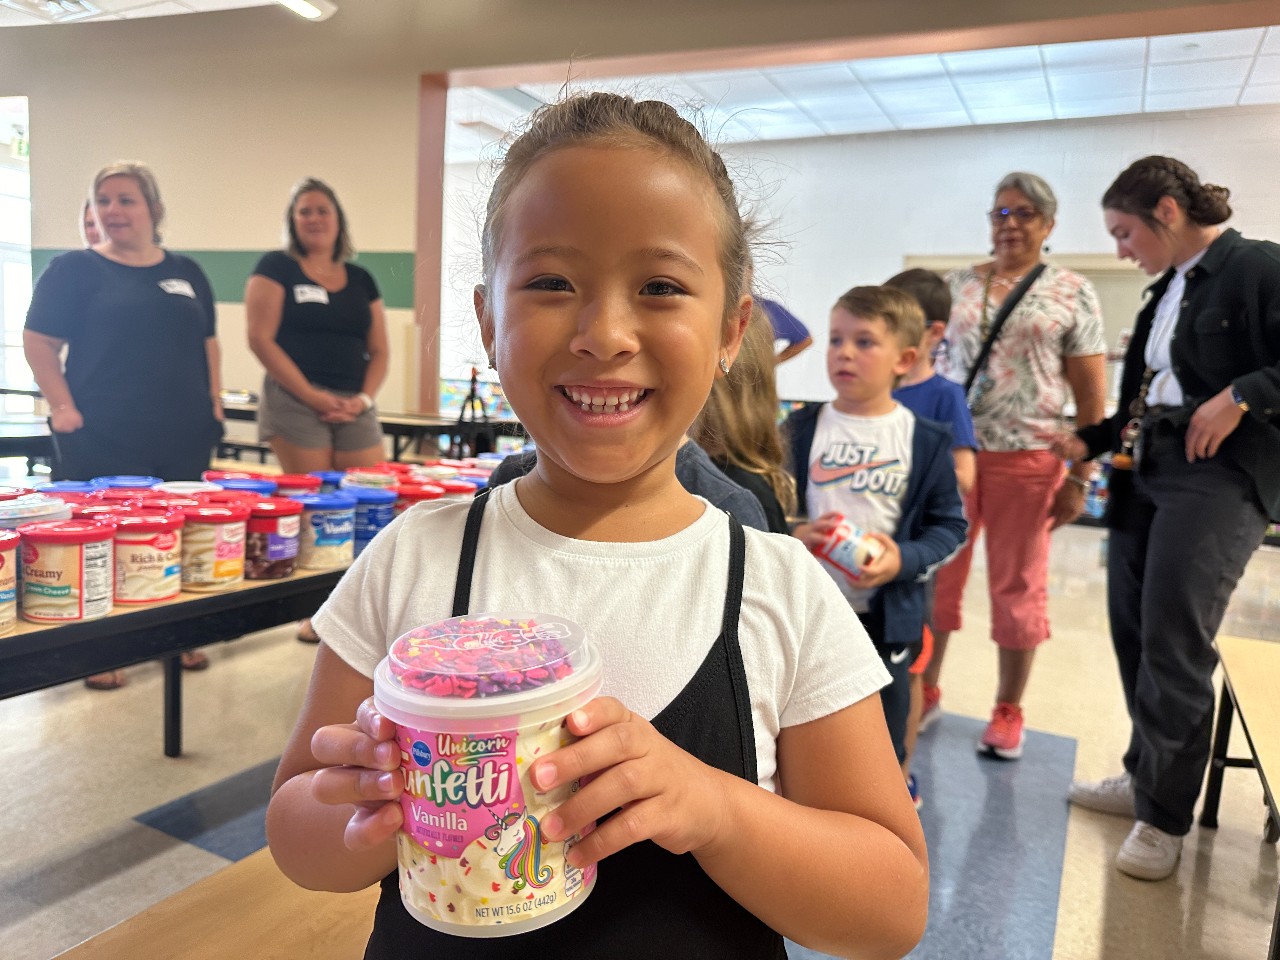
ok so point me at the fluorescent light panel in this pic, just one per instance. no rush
(310, 9)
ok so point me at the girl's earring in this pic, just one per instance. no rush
(724, 365)
(1046, 248)
(492, 364)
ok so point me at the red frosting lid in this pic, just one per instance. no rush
(213, 476)
(9, 539)
(298, 481)
(217, 513)
(454, 486)
(75, 530)
(420, 491)
(13, 493)
(149, 521)
(275, 507)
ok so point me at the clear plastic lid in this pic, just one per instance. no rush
(488, 664)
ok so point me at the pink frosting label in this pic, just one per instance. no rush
(457, 787)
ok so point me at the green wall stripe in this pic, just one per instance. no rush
(229, 269)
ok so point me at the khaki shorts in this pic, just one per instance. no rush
(281, 414)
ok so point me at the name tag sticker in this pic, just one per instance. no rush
(179, 287)
(309, 293)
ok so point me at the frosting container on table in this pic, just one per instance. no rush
(213, 546)
(374, 510)
(186, 488)
(456, 488)
(271, 548)
(407, 494)
(9, 550)
(32, 508)
(262, 486)
(296, 484)
(67, 569)
(148, 555)
(327, 538)
(475, 701)
(376, 477)
(329, 480)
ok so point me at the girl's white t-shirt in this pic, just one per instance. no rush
(653, 609)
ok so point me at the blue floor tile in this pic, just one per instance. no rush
(227, 818)
(996, 832)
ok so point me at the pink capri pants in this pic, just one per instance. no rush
(1011, 500)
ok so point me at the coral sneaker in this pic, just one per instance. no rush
(932, 708)
(1003, 736)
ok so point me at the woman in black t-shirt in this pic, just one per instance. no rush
(317, 324)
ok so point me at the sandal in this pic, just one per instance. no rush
(194, 660)
(111, 680)
(306, 634)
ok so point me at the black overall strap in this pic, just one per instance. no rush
(729, 632)
(467, 555)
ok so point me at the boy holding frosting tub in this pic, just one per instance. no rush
(733, 782)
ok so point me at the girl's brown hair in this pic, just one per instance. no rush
(612, 119)
(1144, 182)
(739, 423)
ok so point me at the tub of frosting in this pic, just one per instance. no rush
(67, 569)
(10, 550)
(475, 701)
(327, 538)
(213, 546)
(271, 548)
(148, 555)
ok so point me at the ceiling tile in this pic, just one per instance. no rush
(1200, 46)
(931, 119)
(1104, 107)
(729, 91)
(168, 8)
(209, 6)
(12, 18)
(853, 101)
(1261, 93)
(825, 81)
(1190, 100)
(1201, 75)
(1095, 55)
(992, 95)
(1265, 70)
(1012, 113)
(896, 99)
(1271, 43)
(852, 125)
(1007, 63)
(1079, 87)
(927, 68)
(765, 126)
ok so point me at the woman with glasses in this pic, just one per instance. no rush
(1048, 349)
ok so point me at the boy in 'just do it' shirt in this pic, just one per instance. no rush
(867, 458)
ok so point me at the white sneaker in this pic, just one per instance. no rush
(1148, 853)
(1112, 795)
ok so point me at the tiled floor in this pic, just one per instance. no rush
(88, 797)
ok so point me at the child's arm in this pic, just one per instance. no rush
(838, 864)
(942, 523)
(332, 818)
(966, 468)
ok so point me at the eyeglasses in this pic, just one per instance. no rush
(1022, 214)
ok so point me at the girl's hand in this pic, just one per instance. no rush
(1067, 506)
(1067, 446)
(883, 568)
(815, 534)
(362, 766)
(661, 792)
(66, 419)
(1214, 421)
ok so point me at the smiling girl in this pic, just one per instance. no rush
(613, 296)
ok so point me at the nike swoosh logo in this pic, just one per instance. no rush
(899, 656)
(820, 475)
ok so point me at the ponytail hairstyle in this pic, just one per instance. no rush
(612, 120)
(739, 422)
(1139, 188)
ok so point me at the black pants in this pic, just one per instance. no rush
(1178, 548)
(180, 452)
(896, 697)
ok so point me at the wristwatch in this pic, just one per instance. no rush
(1238, 400)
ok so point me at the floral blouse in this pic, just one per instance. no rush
(1020, 394)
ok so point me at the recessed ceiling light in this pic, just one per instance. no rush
(310, 9)
(53, 11)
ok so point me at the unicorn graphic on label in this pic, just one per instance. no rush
(518, 843)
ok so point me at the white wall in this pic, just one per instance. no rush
(847, 210)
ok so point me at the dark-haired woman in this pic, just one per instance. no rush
(1198, 430)
(317, 325)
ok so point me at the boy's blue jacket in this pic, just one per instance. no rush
(932, 526)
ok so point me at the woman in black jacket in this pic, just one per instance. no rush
(1196, 473)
